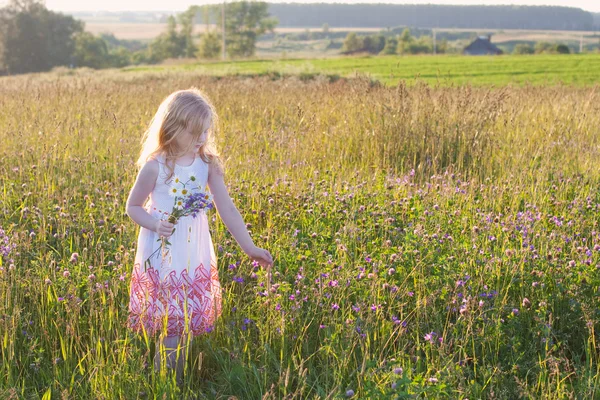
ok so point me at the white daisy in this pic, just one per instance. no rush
(177, 180)
(174, 191)
(179, 204)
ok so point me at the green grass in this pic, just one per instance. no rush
(469, 212)
(576, 69)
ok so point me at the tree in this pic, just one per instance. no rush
(352, 43)
(120, 57)
(544, 47)
(34, 39)
(374, 44)
(423, 45)
(168, 44)
(563, 49)
(244, 22)
(186, 19)
(442, 46)
(404, 41)
(90, 51)
(210, 45)
(523, 48)
(391, 46)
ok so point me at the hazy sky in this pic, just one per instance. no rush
(177, 5)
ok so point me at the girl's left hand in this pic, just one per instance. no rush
(263, 257)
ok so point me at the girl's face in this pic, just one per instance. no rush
(188, 142)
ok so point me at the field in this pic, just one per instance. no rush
(576, 69)
(430, 241)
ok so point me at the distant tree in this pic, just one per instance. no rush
(423, 45)
(186, 20)
(34, 39)
(435, 16)
(374, 44)
(407, 44)
(120, 57)
(563, 49)
(245, 21)
(113, 43)
(352, 43)
(404, 41)
(168, 44)
(141, 57)
(442, 46)
(391, 45)
(523, 48)
(91, 51)
(210, 45)
(544, 47)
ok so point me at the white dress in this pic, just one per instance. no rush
(183, 285)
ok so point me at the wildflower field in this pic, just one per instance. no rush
(429, 242)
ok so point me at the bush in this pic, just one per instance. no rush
(523, 48)
(545, 47)
(391, 46)
(352, 43)
(210, 45)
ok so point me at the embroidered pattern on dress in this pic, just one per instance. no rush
(149, 298)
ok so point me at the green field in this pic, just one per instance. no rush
(429, 242)
(571, 69)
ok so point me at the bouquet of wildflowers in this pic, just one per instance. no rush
(188, 199)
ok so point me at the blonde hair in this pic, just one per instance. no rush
(179, 111)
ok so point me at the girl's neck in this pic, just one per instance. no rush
(186, 160)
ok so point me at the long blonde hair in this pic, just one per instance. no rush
(179, 111)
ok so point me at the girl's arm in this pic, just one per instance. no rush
(232, 219)
(142, 187)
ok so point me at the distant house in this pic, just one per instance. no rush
(482, 46)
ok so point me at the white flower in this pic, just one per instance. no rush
(174, 191)
(177, 180)
(179, 204)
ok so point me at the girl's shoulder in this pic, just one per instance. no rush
(215, 167)
(157, 158)
(149, 170)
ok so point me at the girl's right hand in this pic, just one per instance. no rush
(164, 228)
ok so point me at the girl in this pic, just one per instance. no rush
(179, 293)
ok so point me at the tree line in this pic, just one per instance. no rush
(433, 16)
(406, 43)
(35, 39)
(289, 15)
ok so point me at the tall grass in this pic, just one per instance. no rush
(430, 242)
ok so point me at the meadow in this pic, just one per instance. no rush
(539, 70)
(430, 240)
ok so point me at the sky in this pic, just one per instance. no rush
(180, 5)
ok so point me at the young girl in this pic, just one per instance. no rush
(180, 290)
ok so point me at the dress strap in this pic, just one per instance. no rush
(161, 162)
(161, 166)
